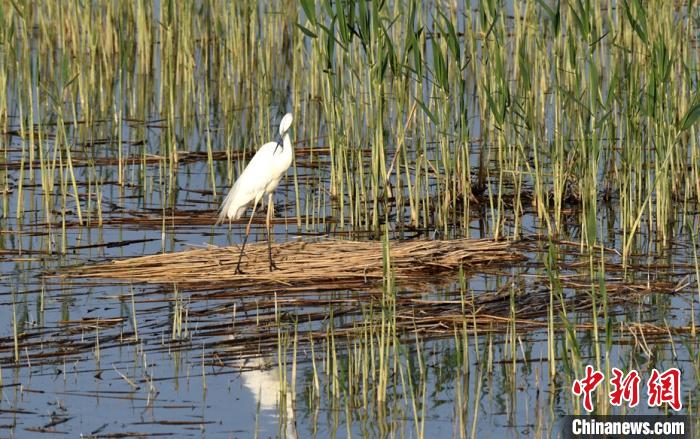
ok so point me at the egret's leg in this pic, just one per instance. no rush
(268, 219)
(247, 233)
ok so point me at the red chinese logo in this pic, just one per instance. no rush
(665, 388)
(661, 388)
(625, 388)
(587, 385)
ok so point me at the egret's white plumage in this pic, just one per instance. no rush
(261, 176)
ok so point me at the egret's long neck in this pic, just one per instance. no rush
(287, 142)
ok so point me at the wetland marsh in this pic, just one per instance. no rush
(490, 195)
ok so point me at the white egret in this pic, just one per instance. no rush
(259, 178)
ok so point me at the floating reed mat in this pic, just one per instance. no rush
(332, 263)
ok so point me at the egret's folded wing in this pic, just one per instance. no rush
(250, 184)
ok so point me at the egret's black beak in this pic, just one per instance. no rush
(279, 145)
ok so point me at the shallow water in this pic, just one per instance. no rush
(220, 374)
(472, 354)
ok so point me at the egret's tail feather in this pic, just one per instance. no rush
(221, 218)
(231, 208)
(226, 207)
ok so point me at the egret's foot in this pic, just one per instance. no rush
(238, 270)
(273, 266)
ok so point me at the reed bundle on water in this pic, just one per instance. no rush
(303, 263)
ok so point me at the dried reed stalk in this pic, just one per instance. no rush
(340, 263)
